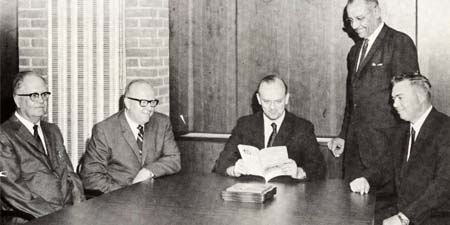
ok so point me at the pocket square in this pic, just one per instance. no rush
(377, 64)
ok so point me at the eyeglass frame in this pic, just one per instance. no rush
(145, 102)
(35, 96)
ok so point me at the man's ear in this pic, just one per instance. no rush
(16, 100)
(377, 12)
(126, 102)
(422, 95)
(257, 97)
(286, 101)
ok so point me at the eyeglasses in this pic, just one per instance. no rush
(145, 102)
(35, 96)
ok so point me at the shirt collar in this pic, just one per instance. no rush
(268, 122)
(133, 125)
(29, 125)
(418, 124)
(374, 35)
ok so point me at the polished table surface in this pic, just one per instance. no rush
(195, 199)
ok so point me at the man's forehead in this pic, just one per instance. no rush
(357, 8)
(33, 82)
(141, 90)
(401, 88)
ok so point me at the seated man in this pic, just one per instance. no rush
(132, 145)
(38, 175)
(282, 128)
(421, 153)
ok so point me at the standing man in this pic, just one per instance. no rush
(132, 145)
(274, 126)
(39, 175)
(381, 54)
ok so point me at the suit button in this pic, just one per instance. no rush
(355, 105)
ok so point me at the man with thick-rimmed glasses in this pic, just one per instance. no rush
(131, 146)
(38, 175)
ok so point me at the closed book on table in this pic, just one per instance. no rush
(249, 192)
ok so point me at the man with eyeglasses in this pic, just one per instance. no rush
(274, 126)
(38, 175)
(131, 146)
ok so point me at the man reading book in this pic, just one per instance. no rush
(274, 126)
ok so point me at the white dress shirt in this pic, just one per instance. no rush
(417, 125)
(268, 126)
(29, 125)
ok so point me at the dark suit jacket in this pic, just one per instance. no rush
(112, 157)
(296, 133)
(368, 107)
(37, 184)
(423, 183)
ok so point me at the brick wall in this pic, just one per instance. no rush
(147, 44)
(32, 23)
(146, 37)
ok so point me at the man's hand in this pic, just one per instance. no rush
(336, 145)
(142, 175)
(393, 220)
(360, 185)
(290, 168)
(238, 169)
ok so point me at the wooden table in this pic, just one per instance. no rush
(195, 199)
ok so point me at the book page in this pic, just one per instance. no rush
(273, 155)
(272, 160)
(251, 158)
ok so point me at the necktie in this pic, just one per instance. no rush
(411, 139)
(363, 52)
(36, 136)
(272, 135)
(140, 138)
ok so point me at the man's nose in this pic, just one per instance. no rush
(354, 24)
(395, 103)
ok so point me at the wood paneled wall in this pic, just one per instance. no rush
(203, 64)
(434, 49)
(220, 49)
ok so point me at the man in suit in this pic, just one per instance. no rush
(421, 152)
(132, 145)
(294, 132)
(381, 54)
(39, 175)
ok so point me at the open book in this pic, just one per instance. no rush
(266, 162)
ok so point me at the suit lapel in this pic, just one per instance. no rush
(258, 131)
(356, 57)
(52, 151)
(128, 135)
(403, 150)
(424, 134)
(284, 133)
(150, 132)
(23, 134)
(376, 45)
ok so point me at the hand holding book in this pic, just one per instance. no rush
(269, 163)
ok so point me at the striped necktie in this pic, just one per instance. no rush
(140, 138)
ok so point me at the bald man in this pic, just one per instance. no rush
(131, 146)
(296, 133)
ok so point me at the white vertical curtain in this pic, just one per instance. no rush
(85, 66)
